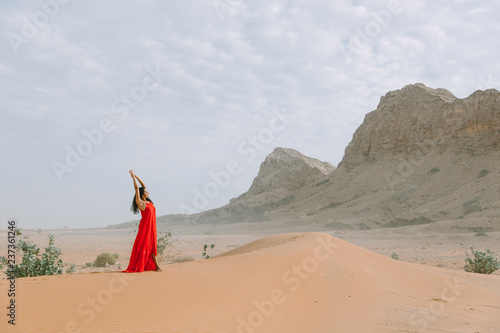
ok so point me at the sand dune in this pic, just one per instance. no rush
(302, 282)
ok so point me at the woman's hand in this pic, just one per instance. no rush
(131, 173)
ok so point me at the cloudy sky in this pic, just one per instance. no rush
(193, 95)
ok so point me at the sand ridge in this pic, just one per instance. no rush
(299, 282)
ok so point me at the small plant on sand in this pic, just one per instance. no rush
(395, 256)
(103, 259)
(206, 248)
(71, 269)
(3, 262)
(34, 264)
(136, 227)
(165, 244)
(484, 263)
(483, 173)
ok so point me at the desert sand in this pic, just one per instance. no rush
(284, 282)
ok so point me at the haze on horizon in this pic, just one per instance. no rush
(187, 92)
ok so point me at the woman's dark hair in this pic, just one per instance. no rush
(134, 206)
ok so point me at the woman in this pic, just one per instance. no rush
(143, 257)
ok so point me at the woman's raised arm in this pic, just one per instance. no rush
(140, 181)
(140, 203)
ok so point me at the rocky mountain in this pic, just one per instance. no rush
(283, 172)
(416, 115)
(284, 177)
(422, 156)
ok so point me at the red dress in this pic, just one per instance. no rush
(145, 242)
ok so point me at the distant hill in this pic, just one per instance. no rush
(286, 176)
(281, 177)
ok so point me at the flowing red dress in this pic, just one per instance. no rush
(145, 244)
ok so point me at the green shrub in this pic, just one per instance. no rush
(433, 171)
(484, 263)
(165, 244)
(206, 247)
(103, 259)
(395, 256)
(32, 264)
(88, 264)
(483, 173)
(3, 262)
(116, 255)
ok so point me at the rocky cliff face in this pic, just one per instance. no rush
(422, 156)
(285, 177)
(289, 170)
(417, 116)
